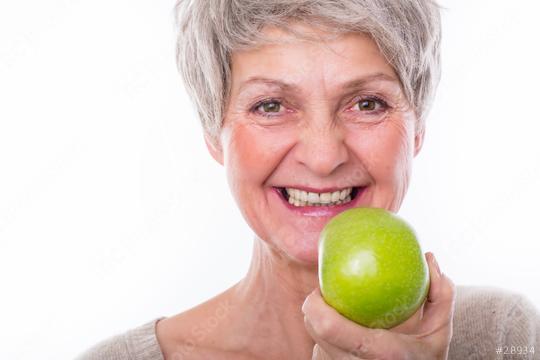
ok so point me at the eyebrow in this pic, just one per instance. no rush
(284, 86)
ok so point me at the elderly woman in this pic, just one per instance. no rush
(314, 107)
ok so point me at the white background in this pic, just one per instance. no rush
(112, 213)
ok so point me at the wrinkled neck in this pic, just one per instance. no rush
(271, 296)
(276, 279)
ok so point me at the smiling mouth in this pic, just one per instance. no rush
(299, 197)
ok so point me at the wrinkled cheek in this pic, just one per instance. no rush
(243, 165)
(251, 156)
(398, 162)
(400, 147)
(404, 153)
(388, 155)
(253, 153)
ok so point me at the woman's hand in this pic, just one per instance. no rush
(425, 335)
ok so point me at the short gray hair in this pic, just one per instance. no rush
(407, 32)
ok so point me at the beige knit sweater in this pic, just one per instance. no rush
(488, 323)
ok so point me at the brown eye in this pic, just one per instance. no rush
(270, 107)
(367, 105)
(369, 109)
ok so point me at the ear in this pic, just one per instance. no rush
(214, 148)
(419, 140)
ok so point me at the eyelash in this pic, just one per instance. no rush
(383, 104)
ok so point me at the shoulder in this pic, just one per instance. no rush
(486, 318)
(134, 344)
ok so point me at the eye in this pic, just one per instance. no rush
(269, 107)
(368, 109)
(369, 105)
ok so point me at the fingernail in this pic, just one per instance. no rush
(436, 264)
(306, 300)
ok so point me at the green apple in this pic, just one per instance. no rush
(371, 267)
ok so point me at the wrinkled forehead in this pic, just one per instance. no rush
(317, 58)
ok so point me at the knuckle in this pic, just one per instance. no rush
(364, 346)
(361, 348)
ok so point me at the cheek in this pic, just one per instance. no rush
(251, 154)
(387, 152)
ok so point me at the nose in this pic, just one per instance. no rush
(322, 148)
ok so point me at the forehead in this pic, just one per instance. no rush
(324, 58)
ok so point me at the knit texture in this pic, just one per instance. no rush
(486, 320)
(139, 343)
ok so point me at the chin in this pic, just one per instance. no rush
(304, 251)
(306, 258)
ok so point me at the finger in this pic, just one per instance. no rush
(319, 353)
(327, 325)
(323, 350)
(412, 324)
(439, 306)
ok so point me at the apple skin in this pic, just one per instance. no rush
(371, 267)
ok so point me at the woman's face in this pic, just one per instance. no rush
(312, 129)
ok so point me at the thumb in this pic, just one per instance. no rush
(439, 306)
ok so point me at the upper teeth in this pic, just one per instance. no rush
(300, 197)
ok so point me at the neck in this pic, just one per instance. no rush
(272, 294)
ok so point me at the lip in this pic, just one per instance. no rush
(320, 211)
